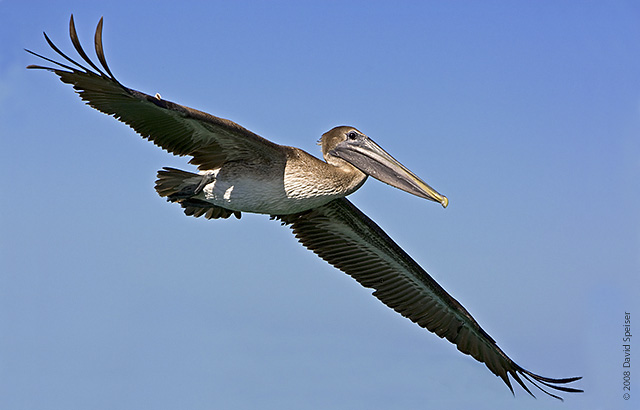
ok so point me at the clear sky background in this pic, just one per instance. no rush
(525, 114)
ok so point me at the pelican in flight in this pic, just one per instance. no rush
(240, 171)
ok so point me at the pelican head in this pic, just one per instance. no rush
(354, 147)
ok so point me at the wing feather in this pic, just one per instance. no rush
(346, 238)
(180, 130)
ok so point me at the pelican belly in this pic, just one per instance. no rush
(280, 187)
(264, 193)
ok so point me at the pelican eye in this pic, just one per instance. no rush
(352, 135)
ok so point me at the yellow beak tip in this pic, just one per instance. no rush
(444, 202)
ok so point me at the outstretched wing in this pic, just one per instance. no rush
(345, 237)
(178, 129)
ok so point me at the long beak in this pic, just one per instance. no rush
(371, 159)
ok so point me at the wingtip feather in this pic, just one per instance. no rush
(100, 49)
(549, 382)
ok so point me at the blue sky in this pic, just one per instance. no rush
(525, 114)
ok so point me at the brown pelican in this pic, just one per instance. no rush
(241, 172)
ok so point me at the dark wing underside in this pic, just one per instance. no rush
(178, 129)
(345, 237)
